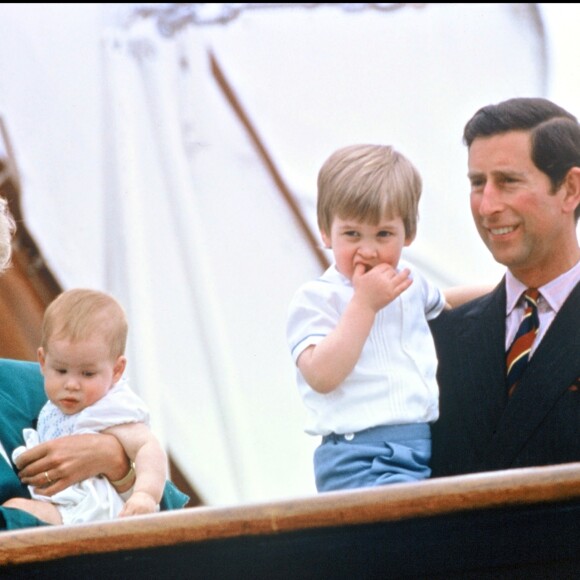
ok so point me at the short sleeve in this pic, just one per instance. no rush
(313, 313)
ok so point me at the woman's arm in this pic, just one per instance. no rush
(55, 465)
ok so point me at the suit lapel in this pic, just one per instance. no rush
(554, 367)
(481, 338)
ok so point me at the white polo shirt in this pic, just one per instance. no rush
(394, 380)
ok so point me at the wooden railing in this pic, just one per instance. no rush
(462, 523)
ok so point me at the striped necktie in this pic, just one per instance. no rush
(518, 353)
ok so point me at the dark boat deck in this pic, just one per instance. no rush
(511, 524)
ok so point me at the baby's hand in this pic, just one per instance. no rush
(140, 502)
(380, 285)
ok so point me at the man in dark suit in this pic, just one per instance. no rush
(524, 170)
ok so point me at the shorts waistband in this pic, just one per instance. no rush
(383, 433)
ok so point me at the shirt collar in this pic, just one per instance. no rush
(554, 292)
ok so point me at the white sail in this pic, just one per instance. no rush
(154, 163)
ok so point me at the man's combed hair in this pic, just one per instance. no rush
(518, 114)
(368, 183)
(554, 133)
(81, 313)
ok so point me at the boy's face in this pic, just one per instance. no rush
(354, 242)
(78, 374)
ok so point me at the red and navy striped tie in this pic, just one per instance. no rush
(519, 352)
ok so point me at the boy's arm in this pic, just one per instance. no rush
(326, 364)
(458, 295)
(150, 461)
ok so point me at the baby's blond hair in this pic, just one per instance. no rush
(81, 313)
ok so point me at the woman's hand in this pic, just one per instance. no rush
(55, 465)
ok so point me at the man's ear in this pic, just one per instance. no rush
(325, 240)
(409, 240)
(572, 185)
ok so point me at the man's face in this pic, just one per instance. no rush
(520, 220)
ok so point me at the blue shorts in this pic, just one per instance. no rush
(375, 456)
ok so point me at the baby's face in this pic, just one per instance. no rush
(79, 373)
(354, 242)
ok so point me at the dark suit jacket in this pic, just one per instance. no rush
(21, 397)
(479, 429)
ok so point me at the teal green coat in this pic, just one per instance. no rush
(21, 398)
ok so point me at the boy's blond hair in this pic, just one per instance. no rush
(368, 183)
(81, 313)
